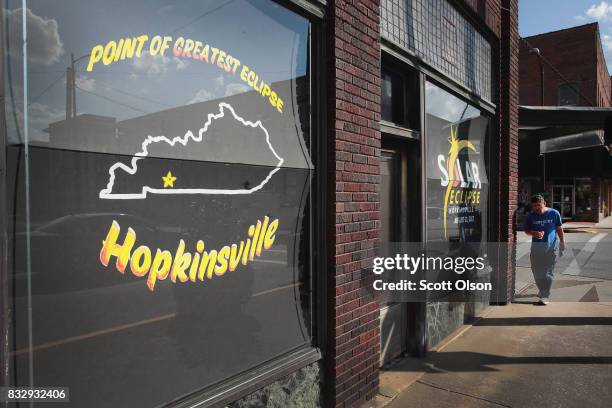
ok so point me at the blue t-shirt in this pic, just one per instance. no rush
(546, 222)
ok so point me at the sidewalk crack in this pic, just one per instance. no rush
(433, 385)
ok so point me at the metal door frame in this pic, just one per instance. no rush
(409, 207)
(573, 204)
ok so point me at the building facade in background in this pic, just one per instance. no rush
(574, 171)
(194, 191)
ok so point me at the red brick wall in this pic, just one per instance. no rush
(604, 96)
(353, 55)
(354, 152)
(488, 11)
(577, 54)
(507, 119)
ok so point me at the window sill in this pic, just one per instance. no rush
(396, 130)
(249, 381)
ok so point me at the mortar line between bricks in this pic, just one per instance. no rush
(439, 387)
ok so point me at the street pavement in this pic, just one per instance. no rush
(525, 355)
(583, 273)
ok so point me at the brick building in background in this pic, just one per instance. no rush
(573, 170)
(389, 86)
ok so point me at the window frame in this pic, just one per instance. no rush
(248, 381)
(4, 289)
(487, 154)
(573, 86)
(410, 96)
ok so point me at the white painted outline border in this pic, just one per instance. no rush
(107, 193)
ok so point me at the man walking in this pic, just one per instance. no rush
(544, 224)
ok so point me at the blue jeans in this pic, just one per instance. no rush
(543, 268)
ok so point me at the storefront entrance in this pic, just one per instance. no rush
(398, 207)
(563, 200)
(393, 316)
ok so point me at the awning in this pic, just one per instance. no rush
(546, 122)
(572, 142)
(558, 128)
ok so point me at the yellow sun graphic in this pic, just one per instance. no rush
(456, 146)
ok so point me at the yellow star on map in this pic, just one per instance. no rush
(169, 180)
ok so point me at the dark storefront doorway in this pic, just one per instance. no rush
(563, 200)
(393, 316)
(399, 192)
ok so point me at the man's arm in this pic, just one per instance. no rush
(527, 228)
(561, 234)
(535, 234)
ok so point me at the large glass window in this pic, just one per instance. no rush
(399, 95)
(584, 196)
(457, 183)
(568, 94)
(159, 175)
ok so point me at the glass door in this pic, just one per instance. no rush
(563, 200)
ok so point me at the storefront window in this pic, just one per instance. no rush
(159, 175)
(391, 97)
(457, 183)
(584, 198)
(399, 95)
(568, 94)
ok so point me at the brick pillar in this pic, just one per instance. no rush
(507, 117)
(353, 335)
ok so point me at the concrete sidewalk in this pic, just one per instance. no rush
(565, 288)
(518, 355)
(606, 223)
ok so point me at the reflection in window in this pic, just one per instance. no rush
(568, 94)
(584, 197)
(400, 101)
(392, 97)
(445, 106)
(187, 136)
(456, 168)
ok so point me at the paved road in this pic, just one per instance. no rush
(584, 272)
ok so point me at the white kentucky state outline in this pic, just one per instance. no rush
(107, 193)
